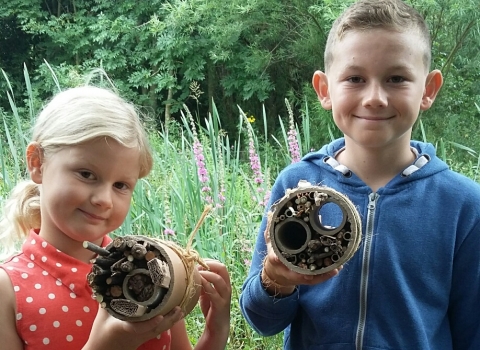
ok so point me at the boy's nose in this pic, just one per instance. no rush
(375, 96)
(102, 196)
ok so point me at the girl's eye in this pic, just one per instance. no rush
(397, 79)
(355, 80)
(86, 174)
(120, 185)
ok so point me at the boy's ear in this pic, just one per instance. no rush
(35, 158)
(433, 83)
(320, 84)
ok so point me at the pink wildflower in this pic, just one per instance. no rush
(255, 163)
(169, 231)
(292, 136)
(202, 171)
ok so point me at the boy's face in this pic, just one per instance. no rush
(376, 86)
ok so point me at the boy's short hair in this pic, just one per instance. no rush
(393, 15)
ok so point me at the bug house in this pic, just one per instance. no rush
(136, 278)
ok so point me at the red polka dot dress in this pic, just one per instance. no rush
(55, 309)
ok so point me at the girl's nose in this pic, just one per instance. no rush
(102, 196)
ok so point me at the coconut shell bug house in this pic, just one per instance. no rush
(137, 277)
(300, 237)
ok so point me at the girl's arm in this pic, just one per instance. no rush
(180, 339)
(110, 333)
(8, 331)
(215, 305)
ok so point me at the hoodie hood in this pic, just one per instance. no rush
(426, 164)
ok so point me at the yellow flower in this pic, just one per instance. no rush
(251, 119)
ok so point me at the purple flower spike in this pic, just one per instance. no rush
(293, 146)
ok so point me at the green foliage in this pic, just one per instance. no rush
(248, 52)
(455, 33)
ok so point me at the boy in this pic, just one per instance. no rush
(414, 283)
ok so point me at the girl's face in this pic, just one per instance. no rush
(85, 190)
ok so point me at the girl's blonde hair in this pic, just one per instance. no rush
(72, 117)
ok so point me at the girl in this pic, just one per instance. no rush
(87, 152)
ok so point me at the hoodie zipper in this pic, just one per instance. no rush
(372, 202)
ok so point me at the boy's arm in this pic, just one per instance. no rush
(465, 294)
(267, 314)
(270, 299)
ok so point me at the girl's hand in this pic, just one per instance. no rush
(109, 332)
(215, 301)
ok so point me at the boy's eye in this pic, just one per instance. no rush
(397, 79)
(120, 185)
(355, 80)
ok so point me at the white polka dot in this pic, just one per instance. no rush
(33, 241)
(24, 275)
(31, 265)
(33, 328)
(10, 268)
(64, 308)
(69, 338)
(73, 295)
(16, 288)
(86, 309)
(29, 299)
(74, 269)
(51, 296)
(19, 316)
(15, 260)
(44, 258)
(38, 286)
(78, 323)
(56, 324)
(71, 286)
(42, 311)
(44, 244)
(58, 265)
(45, 273)
(58, 282)
(164, 347)
(46, 341)
(32, 257)
(159, 336)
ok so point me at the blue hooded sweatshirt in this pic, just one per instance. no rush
(414, 283)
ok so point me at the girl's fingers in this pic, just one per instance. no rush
(219, 269)
(214, 284)
(157, 324)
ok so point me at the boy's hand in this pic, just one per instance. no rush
(109, 332)
(279, 280)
